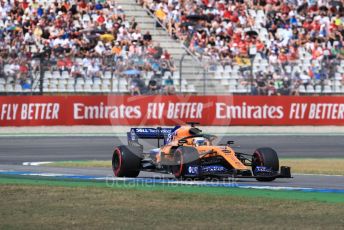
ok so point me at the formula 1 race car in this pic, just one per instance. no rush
(189, 153)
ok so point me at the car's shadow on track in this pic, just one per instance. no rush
(214, 180)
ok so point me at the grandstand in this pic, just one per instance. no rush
(147, 47)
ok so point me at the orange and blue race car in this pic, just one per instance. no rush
(187, 152)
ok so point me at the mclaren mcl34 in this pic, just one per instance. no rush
(187, 152)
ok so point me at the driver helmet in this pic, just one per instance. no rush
(199, 141)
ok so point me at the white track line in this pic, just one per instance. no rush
(110, 180)
(309, 174)
(37, 163)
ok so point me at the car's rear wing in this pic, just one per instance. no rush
(149, 133)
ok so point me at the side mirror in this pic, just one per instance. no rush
(181, 142)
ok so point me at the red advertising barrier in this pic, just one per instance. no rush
(170, 110)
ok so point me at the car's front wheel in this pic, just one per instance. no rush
(268, 158)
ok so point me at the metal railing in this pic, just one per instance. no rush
(42, 76)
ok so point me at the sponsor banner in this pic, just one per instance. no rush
(170, 110)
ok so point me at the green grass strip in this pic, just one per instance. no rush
(220, 191)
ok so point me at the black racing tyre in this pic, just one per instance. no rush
(265, 157)
(184, 156)
(126, 161)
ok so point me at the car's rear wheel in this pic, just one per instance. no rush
(126, 161)
(265, 157)
(183, 158)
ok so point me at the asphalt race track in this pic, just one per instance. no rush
(16, 150)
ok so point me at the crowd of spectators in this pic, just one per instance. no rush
(301, 40)
(63, 31)
(297, 42)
